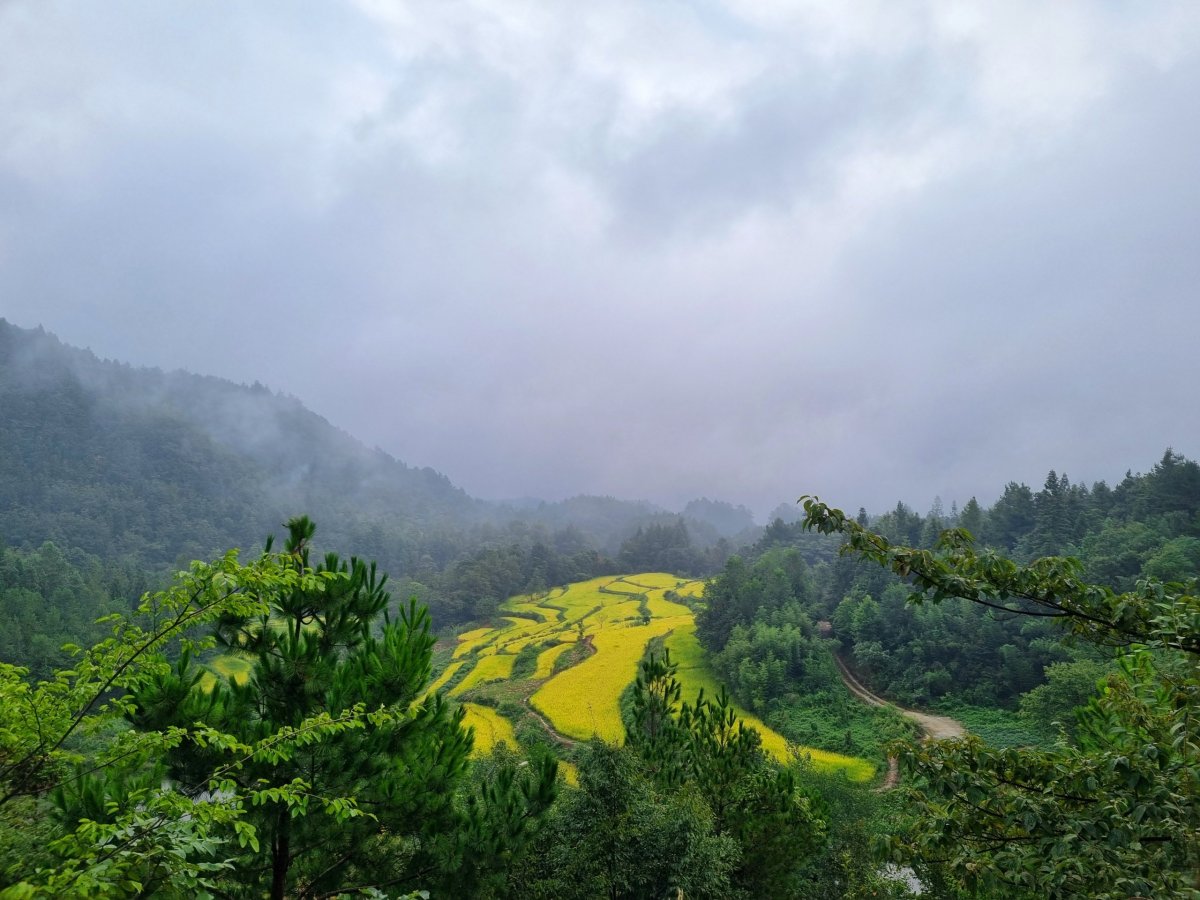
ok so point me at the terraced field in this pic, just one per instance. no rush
(581, 646)
(491, 728)
(585, 699)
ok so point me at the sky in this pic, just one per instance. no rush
(740, 249)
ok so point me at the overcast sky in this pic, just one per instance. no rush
(744, 249)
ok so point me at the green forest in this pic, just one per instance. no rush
(1059, 626)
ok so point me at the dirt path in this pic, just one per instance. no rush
(553, 733)
(561, 738)
(936, 728)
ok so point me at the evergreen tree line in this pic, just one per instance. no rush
(762, 606)
(1108, 810)
(146, 470)
(50, 598)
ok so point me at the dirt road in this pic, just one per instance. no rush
(935, 727)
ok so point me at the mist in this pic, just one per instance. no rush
(738, 250)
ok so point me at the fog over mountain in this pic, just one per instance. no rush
(158, 467)
(736, 250)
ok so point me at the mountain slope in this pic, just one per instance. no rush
(124, 461)
(158, 468)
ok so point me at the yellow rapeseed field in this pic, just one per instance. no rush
(661, 607)
(691, 589)
(651, 580)
(580, 598)
(613, 616)
(546, 660)
(445, 676)
(584, 700)
(470, 640)
(531, 607)
(477, 633)
(491, 729)
(229, 667)
(494, 640)
(621, 588)
(489, 668)
(234, 668)
(528, 632)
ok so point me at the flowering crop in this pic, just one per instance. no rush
(555, 634)
(526, 631)
(476, 633)
(613, 616)
(649, 580)
(445, 676)
(581, 598)
(584, 700)
(489, 668)
(691, 589)
(533, 609)
(491, 728)
(230, 667)
(546, 660)
(660, 607)
(471, 640)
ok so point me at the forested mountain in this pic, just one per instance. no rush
(168, 466)
(110, 474)
(1146, 526)
(1061, 670)
(163, 467)
(606, 521)
(141, 470)
(49, 598)
(727, 520)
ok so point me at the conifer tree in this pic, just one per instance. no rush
(704, 746)
(326, 772)
(373, 795)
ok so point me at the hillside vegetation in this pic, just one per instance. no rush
(165, 466)
(142, 470)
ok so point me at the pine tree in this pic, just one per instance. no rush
(326, 772)
(373, 795)
(971, 518)
(705, 747)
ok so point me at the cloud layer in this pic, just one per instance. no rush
(664, 250)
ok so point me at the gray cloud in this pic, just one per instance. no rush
(743, 250)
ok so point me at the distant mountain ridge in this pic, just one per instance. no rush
(100, 455)
(163, 467)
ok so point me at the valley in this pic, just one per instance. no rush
(531, 622)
